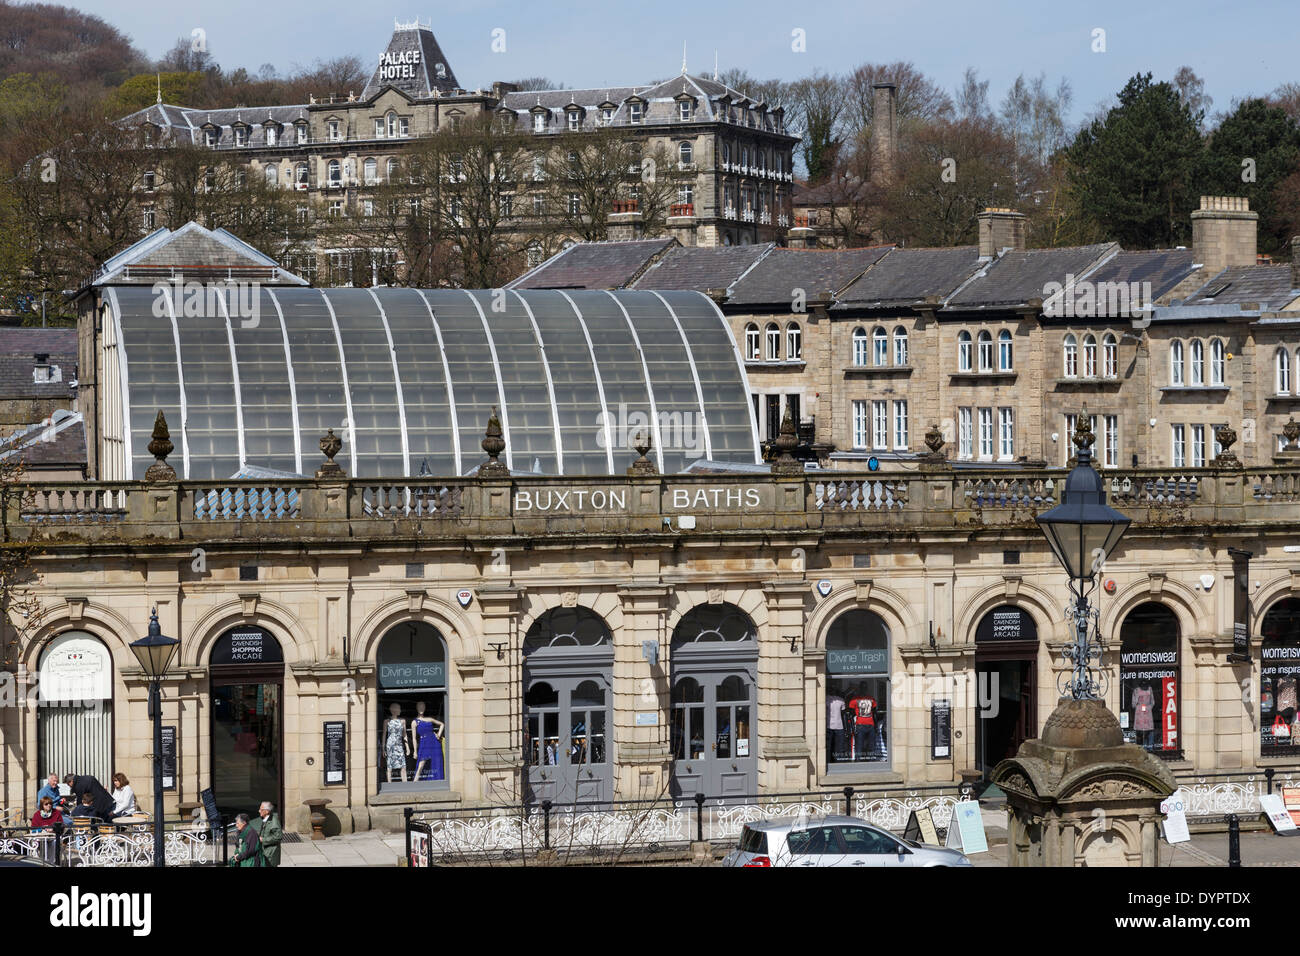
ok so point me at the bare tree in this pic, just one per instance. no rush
(972, 101)
(817, 105)
(1191, 91)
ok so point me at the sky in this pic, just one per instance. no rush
(1240, 49)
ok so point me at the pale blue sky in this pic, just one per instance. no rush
(1241, 48)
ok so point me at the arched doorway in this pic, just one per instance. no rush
(857, 691)
(75, 707)
(246, 671)
(1006, 684)
(1279, 667)
(568, 670)
(714, 669)
(1149, 692)
(414, 735)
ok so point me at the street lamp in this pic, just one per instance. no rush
(1083, 531)
(154, 653)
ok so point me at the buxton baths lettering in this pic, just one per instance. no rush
(399, 66)
(577, 500)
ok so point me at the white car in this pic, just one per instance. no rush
(832, 841)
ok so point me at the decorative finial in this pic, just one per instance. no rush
(683, 58)
(1083, 436)
(1226, 437)
(494, 444)
(160, 447)
(643, 465)
(1291, 430)
(715, 66)
(330, 445)
(424, 468)
(158, 76)
(784, 445)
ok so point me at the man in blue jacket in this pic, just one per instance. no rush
(51, 790)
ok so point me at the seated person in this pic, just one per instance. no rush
(47, 815)
(86, 808)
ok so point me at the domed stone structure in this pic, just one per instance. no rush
(1080, 795)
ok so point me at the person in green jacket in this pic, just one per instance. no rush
(248, 848)
(269, 833)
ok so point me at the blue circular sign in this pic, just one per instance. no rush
(873, 463)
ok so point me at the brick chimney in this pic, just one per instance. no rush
(1223, 233)
(1001, 229)
(1295, 262)
(884, 132)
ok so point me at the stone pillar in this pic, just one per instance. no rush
(1000, 229)
(1098, 798)
(500, 760)
(1224, 233)
(643, 757)
(784, 756)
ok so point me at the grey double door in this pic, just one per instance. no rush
(566, 737)
(713, 733)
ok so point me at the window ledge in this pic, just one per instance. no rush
(879, 370)
(984, 376)
(775, 363)
(1196, 388)
(1080, 382)
(1282, 398)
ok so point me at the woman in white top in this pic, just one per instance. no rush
(123, 796)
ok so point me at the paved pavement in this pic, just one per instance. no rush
(354, 849)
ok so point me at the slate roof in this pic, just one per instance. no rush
(60, 441)
(1270, 286)
(907, 276)
(594, 265)
(1163, 268)
(1015, 277)
(408, 39)
(18, 350)
(206, 251)
(816, 271)
(702, 268)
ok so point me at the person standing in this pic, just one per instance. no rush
(269, 833)
(101, 799)
(248, 848)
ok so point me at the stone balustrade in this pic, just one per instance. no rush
(931, 500)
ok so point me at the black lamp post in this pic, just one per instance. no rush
(154, 653)
(1083, 532)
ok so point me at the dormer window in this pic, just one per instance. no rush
(634, 113)
(210, 137)
(302, 133)
(241, 135)
(575, 121)
(150, 179)
(607, 115)
(684, 110)
(146, 131)
(334, 130)
(272, 135)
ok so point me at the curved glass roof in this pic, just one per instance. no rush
(408, 377)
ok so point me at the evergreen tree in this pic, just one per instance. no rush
(1134, 171)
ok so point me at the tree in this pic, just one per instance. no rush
(531, 83)
(817, 114)
(972, 101)
(918, 99)
(1034, 117)
(1191, 91)
(142, 90)
(20, 607)
(1253, 150)
(1134, 171)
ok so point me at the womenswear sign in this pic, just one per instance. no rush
(247, 645)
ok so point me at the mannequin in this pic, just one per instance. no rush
(835, 726)
(396, 747)
(426, 743)
(1144, 700)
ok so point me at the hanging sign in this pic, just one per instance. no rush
(336, 756)
(1240, 605)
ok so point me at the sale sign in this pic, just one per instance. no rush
(1169, 712)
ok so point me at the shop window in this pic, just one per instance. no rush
(857, 690)
(412, 708)
(75, 712)
(1149, 693)
(1279, 669)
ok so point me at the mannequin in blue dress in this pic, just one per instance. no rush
(426, 735)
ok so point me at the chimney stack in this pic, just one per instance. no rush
(1295, 262)
(1223, 233)
(884, 132)
(1001, 229)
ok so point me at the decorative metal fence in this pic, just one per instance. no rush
(184, 844)
(1213, 795)
(643, 829)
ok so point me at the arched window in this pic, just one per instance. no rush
(773, 336)
(74, 727)
(1279, 669)
(1176, 363)
(411, 670)
(721, 624)
(985, 342)
(370, 170)
(566, 627)
(390, 168)
(334, 172)
(1071, 356)
(1217, 353)
(857, 690)
(1282, 367)
(1198, 363)
(793, 342)
(272, 175)
(752, 349)
(1005, 356)
(391, 120)
(686, 154)
(879, 347)
(1089, 356)
(859, 347)
(1109, 357)
(900, 346)
(963, 352)
(1150, 701)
